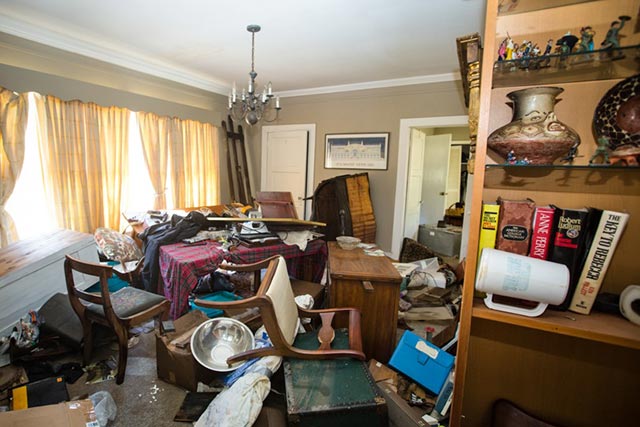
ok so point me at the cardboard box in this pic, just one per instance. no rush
(77, 413)
(423, 362)
(175, 363)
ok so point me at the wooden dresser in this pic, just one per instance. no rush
(31, 271)
(371, 284)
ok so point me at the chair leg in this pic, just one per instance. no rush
(123, 349)
(87, 341)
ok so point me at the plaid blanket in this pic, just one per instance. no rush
(181, 265)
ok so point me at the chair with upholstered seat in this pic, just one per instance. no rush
(119, 310)
(281, 317)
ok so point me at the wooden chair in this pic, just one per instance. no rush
(119, 310)
(281, 317)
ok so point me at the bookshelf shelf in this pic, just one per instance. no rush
(564, 178)
(573, 67)
(523, 6)
(600, 327)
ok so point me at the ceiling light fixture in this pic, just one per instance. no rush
(249, 106)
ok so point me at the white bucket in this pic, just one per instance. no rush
(517, 276)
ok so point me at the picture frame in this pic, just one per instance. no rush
(368, 151)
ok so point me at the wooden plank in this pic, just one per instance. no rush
(596, 326)
(31, 252)
(278, 221)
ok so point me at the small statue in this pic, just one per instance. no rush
(511, 158)
(612, 39)
(586, 39)
(601, 151)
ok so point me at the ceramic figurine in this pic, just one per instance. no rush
(511, 157)
(601, 151)
(502, 50)
(612, 39)
(586, 39)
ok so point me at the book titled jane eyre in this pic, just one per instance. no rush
(514, 225)
(573, 233)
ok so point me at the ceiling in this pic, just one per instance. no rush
(305, 47)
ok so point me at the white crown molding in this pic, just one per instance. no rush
(378, 84)
(116, 55)
(120, 56)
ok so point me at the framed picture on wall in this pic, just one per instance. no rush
(357, 151)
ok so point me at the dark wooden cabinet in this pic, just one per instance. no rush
(371, 284)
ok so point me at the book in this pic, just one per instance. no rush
(514, 225)
(542, 232)
(488, 226)
(573, 232)
(607, 235)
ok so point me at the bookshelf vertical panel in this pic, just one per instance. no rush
(560, 379)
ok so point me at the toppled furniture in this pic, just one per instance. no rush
(344, 204)
(119, 310)
(281, 316)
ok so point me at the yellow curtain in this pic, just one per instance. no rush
(84, 153)
(13, 124)
(194, 165)
(157, 134)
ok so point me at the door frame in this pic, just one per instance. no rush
(404, 140)
(311, 154)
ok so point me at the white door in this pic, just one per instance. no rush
(285, 156)
(436, 171)
(414, 184)
(453, 177)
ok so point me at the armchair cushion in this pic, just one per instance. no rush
(128, 301)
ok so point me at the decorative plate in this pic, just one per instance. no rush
(618, 114)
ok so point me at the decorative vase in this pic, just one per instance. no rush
(534, 135)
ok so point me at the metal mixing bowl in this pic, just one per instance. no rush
(218, 339)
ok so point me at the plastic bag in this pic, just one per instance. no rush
(104, 407)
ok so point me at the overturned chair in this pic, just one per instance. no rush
(119, 310)
(281, 317)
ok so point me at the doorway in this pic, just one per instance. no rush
(287, 162)
(408, 127)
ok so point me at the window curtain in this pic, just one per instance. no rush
(13, 125)
(194, 165)
(157, 135)
(84, 153)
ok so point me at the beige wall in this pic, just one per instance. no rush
(28, 66)
(376, 110)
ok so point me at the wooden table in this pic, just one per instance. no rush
(371, 284)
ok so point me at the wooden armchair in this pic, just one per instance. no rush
(119, 310)
(281, 317)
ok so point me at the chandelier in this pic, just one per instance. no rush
(251, 105)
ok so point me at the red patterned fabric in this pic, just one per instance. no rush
(181, 265)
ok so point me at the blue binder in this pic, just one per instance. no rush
(423, 362)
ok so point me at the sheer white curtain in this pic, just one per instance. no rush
(13, 124)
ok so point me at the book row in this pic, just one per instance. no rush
(582, 239)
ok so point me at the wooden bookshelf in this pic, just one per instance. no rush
(601, 327)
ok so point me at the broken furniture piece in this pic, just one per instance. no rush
(119, 310)
(281, 317)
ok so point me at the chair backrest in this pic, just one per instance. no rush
(102, 272)
(276, 204)
(283, 301)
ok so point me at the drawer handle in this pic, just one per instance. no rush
(368, 287)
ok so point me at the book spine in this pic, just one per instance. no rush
(568, 246)
(542, 232)
(514, 226)
(606, 240)
(488, 227)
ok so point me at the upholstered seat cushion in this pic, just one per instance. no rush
(128, 301)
